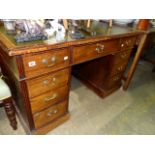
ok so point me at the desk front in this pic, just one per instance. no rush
(40, 74)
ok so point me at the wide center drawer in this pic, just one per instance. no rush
(48, 99)
(95, 50)
(48, 82)
(37, 64)
(48, 115)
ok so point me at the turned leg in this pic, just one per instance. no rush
(10, 111)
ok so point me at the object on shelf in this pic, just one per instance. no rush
(55, 29)
(29, 30)
(9, 25)
(76, 35)
(152, 22)
(32, 27)
(28, 37)
(123, 21)
(143, 24)
(110, 23)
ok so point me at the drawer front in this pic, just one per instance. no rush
(115, 80)
(48, 82)
(128, 42)
(50, 114)
(48, 99)
(91, 51)
(118, 68)
(45, 62)
(121, 57)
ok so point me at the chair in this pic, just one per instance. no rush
(6, 100)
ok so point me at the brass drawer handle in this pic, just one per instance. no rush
(122, 45)
(123, 56)
(120, 68)
(50, 113)
(128, 42)
(99, 48)
(53, 79)
(116, 78)
(45, 62)
(51, 98)
(50, 65)
(46, 82)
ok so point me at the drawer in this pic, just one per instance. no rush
(45, 62)
(48, 99)
(50, 114)
(128, 42)
(121, 57)
(118, 68)
(115, 80)
(92, 51)
(48, 82)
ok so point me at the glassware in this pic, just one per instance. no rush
(9, 25)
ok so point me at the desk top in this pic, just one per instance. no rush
(102, 32)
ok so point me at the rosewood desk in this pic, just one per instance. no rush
(40, 74)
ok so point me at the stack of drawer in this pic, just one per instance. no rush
(119, 62)
(48, 78)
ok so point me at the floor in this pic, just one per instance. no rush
(131, 112)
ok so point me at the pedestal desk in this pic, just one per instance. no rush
(40, 74)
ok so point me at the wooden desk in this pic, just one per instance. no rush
(40, 74)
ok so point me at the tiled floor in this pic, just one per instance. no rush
(131, 112)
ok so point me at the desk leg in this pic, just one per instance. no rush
(134, 63)
(10, 111)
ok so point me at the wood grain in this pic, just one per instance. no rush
(92, 51)
(45, 83)
(48, 99)
(50, 114)
(45, 62)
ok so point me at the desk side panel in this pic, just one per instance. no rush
(10, 70)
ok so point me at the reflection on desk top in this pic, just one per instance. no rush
(98, 31)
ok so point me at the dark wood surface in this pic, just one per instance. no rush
(47, 82)
(48, 99)
(38, 71)
(91, 51)
(46, 61)
(49, 114)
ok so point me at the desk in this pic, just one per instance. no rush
(40, 74)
